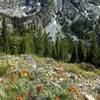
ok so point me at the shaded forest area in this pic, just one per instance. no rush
(35, 41)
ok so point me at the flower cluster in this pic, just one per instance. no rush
(73, 89)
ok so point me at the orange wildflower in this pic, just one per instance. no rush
(40, 88)
(20, 98)
(73, 89)
(98, 97)
(57, 98)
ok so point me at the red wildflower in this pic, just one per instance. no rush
(40, 88)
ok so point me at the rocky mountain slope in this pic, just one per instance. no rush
(69, 9)
(30, 77)
(50, 15)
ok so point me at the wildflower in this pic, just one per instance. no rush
(98, 97)
(19, 98)
(24, 73)
(57, 98)
(40, 88)
(73, 89)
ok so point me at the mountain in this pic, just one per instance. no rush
(51, 15)
(69, 8)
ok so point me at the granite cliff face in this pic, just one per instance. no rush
(51, 13)
(69, 8)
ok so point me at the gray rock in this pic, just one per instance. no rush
(72, 76)
(88, 97)
(49, 60)
(28, 58)
(97, 88)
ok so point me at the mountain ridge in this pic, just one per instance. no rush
(51, 13)
(84, 7)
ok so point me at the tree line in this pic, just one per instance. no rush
(34, 41)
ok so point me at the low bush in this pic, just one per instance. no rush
(3, 68)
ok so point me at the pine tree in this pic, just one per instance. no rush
(80, 51)
(0, 43)
(58, 46)
(14, 44)
(40, 42)
(97, 61)
(61, 50)
(22, 46)
(29, 44)
(4, 36)
(46, 44)
(74, 56)
(65, 49)
(91, 53)
(53, 51)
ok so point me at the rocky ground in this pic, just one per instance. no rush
(29, 77)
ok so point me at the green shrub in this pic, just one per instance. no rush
(3, 68)
(88, 75)
(87, 67)
(2, 93)
(73, 68)
(97, 72)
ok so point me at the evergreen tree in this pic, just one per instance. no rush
(53, 52)
(74, 57)
(65, 49)
(4, 36)
(14, 44)
(46, 44)
(0, 43)
(22, 46)
(80, 51)
(58, 46)
(97, 61)
(38, 42)
(91, 53)
(29, 44)
(61, 50)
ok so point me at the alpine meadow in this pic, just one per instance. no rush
(49, 50)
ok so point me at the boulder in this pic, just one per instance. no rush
(97, 88)
(88, 97)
